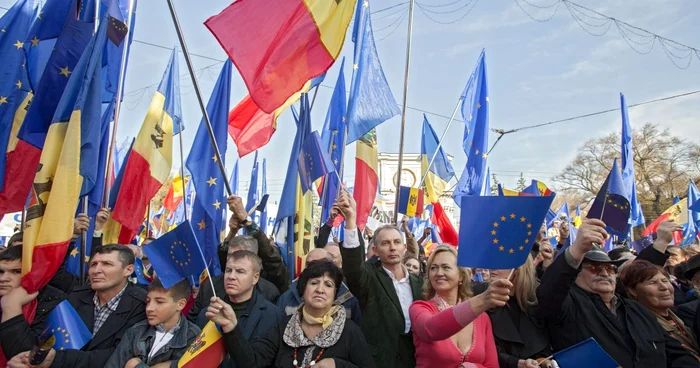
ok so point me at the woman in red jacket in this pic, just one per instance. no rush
(450, 329)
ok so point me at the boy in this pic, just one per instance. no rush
(163, 338)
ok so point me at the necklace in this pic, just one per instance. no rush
(313, 362)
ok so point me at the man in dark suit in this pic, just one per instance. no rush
(109, 306)
(385, 289)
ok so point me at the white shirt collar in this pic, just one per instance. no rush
(393, 277)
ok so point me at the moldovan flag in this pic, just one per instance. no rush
(366, 178)
(411, 201)
(149, 163)
(57, 183)
(278, 45)
(207, 350)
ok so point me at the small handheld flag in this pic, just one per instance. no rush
(313, 161)
(611, 204)
(140, 273)
(585, 354)
(207, 350)
(67, 328)
(411, 201)
(497, 233)
(176, 255)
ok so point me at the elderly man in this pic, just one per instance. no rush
(577, 296)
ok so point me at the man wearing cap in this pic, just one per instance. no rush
(688, 312)
(577, 297)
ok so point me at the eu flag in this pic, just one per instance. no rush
(313, 161)
(253, 187)
(371, 101)
(210, 201)
(627, 162)
(585, 354)
(68, 329)
(140, 273)
(611, 205)
(690, 231)
(176, 255)
(498, 232)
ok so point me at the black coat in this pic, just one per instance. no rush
(264, 287)
(633, 338)
(17, 336)
(350, 351)
(130, 311)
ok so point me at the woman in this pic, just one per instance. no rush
(317, 335)
(520, 336)
(450, 328)
(651, 286)
(412, 265)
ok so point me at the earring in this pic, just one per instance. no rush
(461, 282)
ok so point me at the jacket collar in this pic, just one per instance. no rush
(115, 320)
(179, 339)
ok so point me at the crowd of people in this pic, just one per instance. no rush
(373, 299)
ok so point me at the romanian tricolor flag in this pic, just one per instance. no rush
(207, 350)
(149, 163)
(677, 213)
(175, 193)
(57, 183)
(411, 201)
(366, 178)
(303, 228)
(278, 45)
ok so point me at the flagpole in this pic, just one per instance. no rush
(200, 99)
(182, 170)
(403, 113)
(83, 244)
(442, 139)
(148, 221)
(97, 15)
(325, 179)
(313, 99)
(118, 104)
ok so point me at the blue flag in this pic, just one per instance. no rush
(263, 192)
(15, 25)
(473, 97)
(170, 87)
(441, 165)
(313, 161)
(585, 354)
(550, 217)
(693, 197)
(234, 179)
(611, 204)
(486, 190)
(253, 187)
(176, 255)
(476, 141)
(563, 211)
(140, 273)
(676, 199)
(117, 11)
(627, 161)
(333, 137)
(65, 325)
(209, 204)
(498, 232)
(690, 231)
(371, 101)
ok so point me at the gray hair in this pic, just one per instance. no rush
(382, 228)
(244, 242)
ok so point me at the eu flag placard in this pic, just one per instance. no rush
(497, 232)
(411, 201)
(611, 204)
(587, 353)
(176, 255)
(68, 329)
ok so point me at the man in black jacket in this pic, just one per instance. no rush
(577, 297)
(109, 306)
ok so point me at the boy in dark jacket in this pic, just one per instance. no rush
(164, 337)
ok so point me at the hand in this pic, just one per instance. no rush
(17, 297)
(563, 231)
(325, 363)
(133, 362)
(426, 232)
(336, 240)
(404, 223)
(347, 206)
(222, 314)
(369, 232)
(528, 363)
(20, 360)
(665, 231)
(497, 295)
(238, 212)
(81, 224)
(546, 251)
(101, 218)
(592, 231)
(138, 252)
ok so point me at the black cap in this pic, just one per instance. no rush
(598, 255)
(693, 266)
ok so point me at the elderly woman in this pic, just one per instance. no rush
(651, 286)
(450, 328)
(317, 335)
(520, 335)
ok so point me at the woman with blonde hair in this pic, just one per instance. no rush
(519, 332)
(450, 328)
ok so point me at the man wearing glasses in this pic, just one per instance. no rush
(577, 297)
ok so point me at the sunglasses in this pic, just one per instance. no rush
(599, 267)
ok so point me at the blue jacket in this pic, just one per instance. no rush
(290, 300)
(259, 317)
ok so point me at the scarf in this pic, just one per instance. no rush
(295, 338)
(325, 320)
(676, 328)
(29, 312)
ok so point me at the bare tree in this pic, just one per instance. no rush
(663, 165)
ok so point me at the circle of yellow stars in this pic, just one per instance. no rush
(180, 262)
(502, 220)
(63, 332)
(621, 206)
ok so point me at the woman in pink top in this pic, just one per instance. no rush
(450, 329)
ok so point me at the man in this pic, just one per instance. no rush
(677, 257)
(577, 297)
(18, 331)
(688, 311)
(333, 250)
(385, 289)
(109, 306)
(290, 300)
(163, 338)
(255, 314)
(15, 239)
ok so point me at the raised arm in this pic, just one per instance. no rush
(353, 255)
(657, 254)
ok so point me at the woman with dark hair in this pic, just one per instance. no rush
(317, 335)
(651, 286)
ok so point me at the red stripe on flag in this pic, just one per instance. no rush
(249, 126)
(447, 231)
(655, 224)
(210, 356)
(20, 169)
(365, 191)
(47, 258)
(275, 45)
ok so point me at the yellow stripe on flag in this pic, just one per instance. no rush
(332, 19)
(155, 139)
(20, 113)
(303, 234)
(412, 203)
(434, 185)
(206, 350)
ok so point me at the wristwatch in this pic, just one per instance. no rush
(248, 220)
